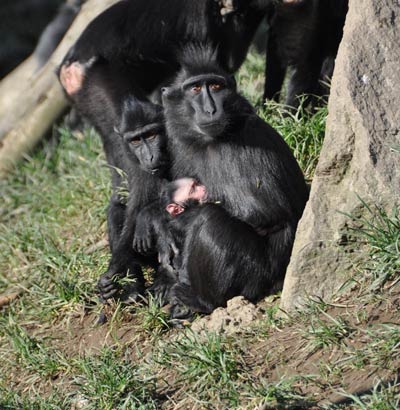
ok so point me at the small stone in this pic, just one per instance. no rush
(238, 314)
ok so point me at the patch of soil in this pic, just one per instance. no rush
(323, 371)
(83, 335)
(270, 352)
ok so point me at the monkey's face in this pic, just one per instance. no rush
(200, 102)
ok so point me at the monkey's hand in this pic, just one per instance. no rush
(165, 278)
(180, 315)
(143, 240)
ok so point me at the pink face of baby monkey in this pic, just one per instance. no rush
(189, 188)
(186, 188)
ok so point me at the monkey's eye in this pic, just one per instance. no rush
(216, 87)
(151, 136)
(135, 140)
(196, 89)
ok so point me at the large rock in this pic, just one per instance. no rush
(360, 156)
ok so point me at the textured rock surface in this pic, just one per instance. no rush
(360, 155)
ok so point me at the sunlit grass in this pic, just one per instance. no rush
(53, 211)
(302, 130)
(379, 230)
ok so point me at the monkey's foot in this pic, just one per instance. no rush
(110, 287)
(132, 294)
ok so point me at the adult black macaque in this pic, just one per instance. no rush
(304, 35)
(212, 265)
(144, 38)
(134, 140)
(215, 137)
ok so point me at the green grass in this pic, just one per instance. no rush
(51, 214)
(111, 381)
(281, 395)
(31, 353)
(381, 347)
(302, 130)
(209, 367)
(384, 396)
(10, 400)
(153, 318)
(250, 78)
(326, 331)
(53, 211)
(379, 230)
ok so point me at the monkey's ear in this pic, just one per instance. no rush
(165, 92)
(170, 93)
(174, 209)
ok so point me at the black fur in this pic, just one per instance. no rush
(107, 101)
(221, 257)
(305, 37)
(134, 47)
(250, 170)
(144, 37)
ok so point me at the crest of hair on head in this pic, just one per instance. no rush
(133, 105)
(140, 112)
(199, 58)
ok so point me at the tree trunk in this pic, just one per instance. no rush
(31, 100)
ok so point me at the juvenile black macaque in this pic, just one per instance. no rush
(215, 137)
(212, 265)
(303, 36)
(144, 178)
(143, 158)
(153, 233)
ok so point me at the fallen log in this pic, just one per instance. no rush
(31, 100)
